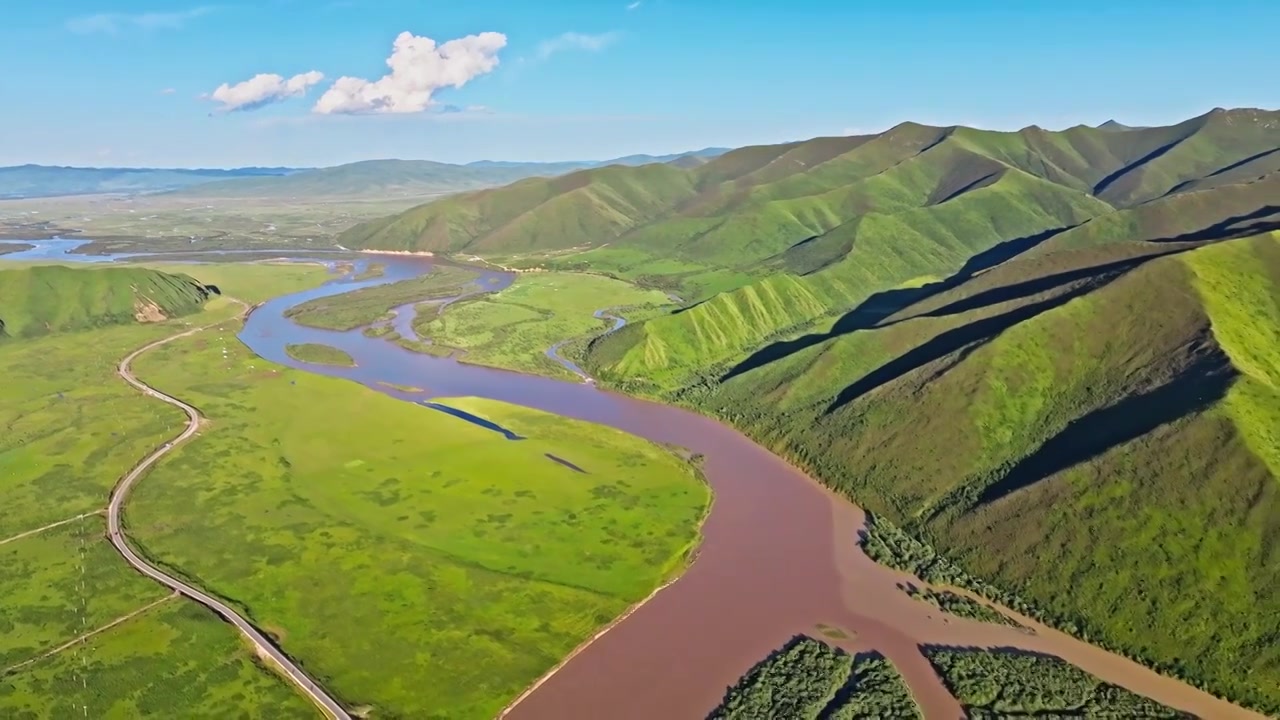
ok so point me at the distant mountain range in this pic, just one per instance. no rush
(383, 178)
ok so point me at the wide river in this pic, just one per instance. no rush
(779, 553)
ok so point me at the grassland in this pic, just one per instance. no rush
(37, 300)
(251, 282)
(62, 583)
(366, 306)
(419, 578)
(810, 680)
(1010, 684)
(513, 328)
(165, 223)
(173, 660)
(320, 354)
(72, 428)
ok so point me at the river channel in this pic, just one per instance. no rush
(779, 554)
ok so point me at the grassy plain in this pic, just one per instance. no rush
(173, 660)
(252, 282)
(320, 354)
(424, 579)
(810, 680)
(72, 428)
(1009, 684)
(513, 328)
(358, 308)
(163, 223)
(62, 583)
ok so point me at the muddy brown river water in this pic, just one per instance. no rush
(779, 554)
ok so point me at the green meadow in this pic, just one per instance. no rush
(174, 660)
(62, 583)
(419, 578)
(513, 328)
(319, 354)
(73, 428)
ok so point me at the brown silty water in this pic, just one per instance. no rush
(779, 555)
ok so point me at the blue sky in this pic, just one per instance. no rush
(135, 83)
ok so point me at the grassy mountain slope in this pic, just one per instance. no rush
(1052, 355)
(46, 299)
(1058, 407)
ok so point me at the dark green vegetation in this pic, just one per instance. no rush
(1050, 356)
(423, 578)
(351, 310)
(44, 180)
(175, 659)
(810, 680)
(1007, 683)
(321, 354)
(959, 605)
(47, 299)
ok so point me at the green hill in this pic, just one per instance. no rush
(1052, 355)
(47, 299)
(1094, 428)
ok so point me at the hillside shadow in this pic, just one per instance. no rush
(968, 338)
(1264, 219)
(882, 305)
(1203, 382)
(1036, 286)
(1111, 179)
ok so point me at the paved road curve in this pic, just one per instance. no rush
(121, 493)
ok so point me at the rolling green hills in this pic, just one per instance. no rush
(47, 299)
(1051, 355)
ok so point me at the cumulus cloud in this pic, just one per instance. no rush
(263, 89)
(575, 41)
(112, 23)
(419, 68)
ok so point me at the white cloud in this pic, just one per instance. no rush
(419, 68)
(112, 23)
(168, 91)
(634, 5)
(575, 41)
(263, 89)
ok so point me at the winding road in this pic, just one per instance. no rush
(120, 493)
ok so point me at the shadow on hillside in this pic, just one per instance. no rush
(1201, 383)
(880, 306)
(1111, 179)
(1264, 219)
